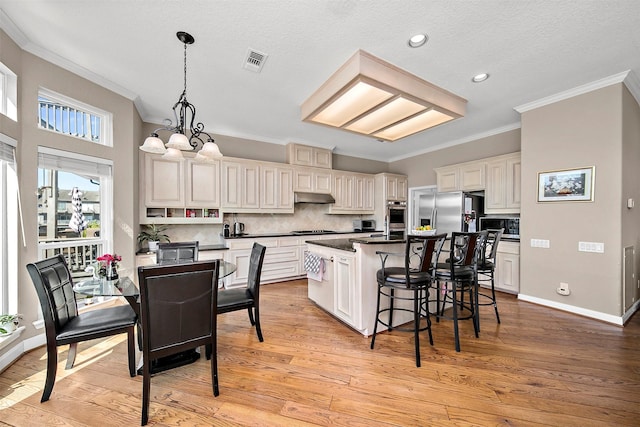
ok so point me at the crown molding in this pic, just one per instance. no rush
(589, 87)
(27, 45)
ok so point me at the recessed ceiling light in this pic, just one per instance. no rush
(480, 77)
(417, 40)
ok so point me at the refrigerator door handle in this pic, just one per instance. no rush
(434, 218)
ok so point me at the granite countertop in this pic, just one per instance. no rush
(292, 234)
(347, 244)
(210, 247)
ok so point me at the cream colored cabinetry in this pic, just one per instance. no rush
(313, 180)
(202, 183)
(240, 185)
(502, 193)
(354, 193)
(164, 180)
(507, 273)
(276, 188)
(346, 298)
(395, 187)
(305, 155)
(281, 259)
(468, 176)
(179, 192)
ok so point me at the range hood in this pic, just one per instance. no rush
(321, 198)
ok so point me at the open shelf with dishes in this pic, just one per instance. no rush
(182, 216)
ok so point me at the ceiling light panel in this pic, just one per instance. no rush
(423, 121)
(393, 112)
(373, 97)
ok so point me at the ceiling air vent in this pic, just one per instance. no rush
(254, 60)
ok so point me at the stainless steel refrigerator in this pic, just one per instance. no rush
(446, 212)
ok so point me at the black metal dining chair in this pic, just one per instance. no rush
(487, 267)
(178, 305)
(409, 282)
(64, 325)
(458, 278)
(249, 297)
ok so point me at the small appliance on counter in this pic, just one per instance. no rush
(226, 231)
(238, 228)
(364, 225)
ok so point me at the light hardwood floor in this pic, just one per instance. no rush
(539, 367)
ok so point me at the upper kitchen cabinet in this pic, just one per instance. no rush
(502, 193)
(164, 182)
(276, 188)
(312, 180)
(468, 176)
(240, 185)
(394, 187)
(202, 183)
(354, 193)
(179, 191)
(305, 155)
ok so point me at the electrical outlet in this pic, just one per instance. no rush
(539, 243)
(563, 289)
(596, 247)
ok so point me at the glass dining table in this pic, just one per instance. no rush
(125, 287)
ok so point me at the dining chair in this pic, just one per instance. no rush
(177, 252)
(249, 297)
(457, 278)
(64, 325)
(178, 305)
(409, 282)
(487, 267)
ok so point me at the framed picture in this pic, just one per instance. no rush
(566, 185)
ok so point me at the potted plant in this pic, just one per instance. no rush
(153, 234)
(8, 323)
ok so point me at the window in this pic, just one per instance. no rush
(61, 177)
(8, 93)
(9, 226)
(67, 116)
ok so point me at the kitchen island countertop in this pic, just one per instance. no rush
(347, 244)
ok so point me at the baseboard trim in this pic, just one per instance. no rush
(616, 320)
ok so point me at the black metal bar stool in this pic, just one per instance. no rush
(409, 283)
(487, 267)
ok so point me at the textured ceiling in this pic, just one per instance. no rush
(532, 49)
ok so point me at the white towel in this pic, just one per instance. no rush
(314, 265)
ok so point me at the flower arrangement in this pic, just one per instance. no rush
(109, 265)
(8, 323)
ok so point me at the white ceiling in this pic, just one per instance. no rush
(532, 50)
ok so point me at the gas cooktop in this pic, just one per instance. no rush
(313, 232)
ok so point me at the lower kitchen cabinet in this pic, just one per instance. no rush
(346, 301)
(507, 273)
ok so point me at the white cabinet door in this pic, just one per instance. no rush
(231, 184)
(447, 179)
(507, 273)
(368, 195)
(496, 185)
(276, 191)
(513, 166)
(472, 176)
(164, 182)
(203, 184)
(250, 186)
(312, 180)
(240, 186)
(502, 194)
(346, 301)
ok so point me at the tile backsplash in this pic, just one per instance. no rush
(305, 217)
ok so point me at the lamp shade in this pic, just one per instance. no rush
(153, 144)
(173, 154)
(179, 141)
(210, 149)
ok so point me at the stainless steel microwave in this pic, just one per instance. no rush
(364, 225)
(510, 224)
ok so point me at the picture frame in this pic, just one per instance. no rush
(568, 185)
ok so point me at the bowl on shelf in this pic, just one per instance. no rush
(431, 232)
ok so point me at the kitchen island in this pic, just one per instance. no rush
(348, 288)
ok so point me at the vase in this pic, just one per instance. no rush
(112, 271)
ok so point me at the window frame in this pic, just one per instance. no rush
(106, 118)
(8, 93)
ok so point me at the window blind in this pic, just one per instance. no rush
(72, 162)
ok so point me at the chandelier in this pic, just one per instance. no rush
(185, 119)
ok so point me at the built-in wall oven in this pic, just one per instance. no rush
(396, 217)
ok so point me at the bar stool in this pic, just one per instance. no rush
(487, 266)
(408, 283)
(458, 278)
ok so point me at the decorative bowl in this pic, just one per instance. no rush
(424, 232)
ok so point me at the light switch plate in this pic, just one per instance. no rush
(596, 247)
